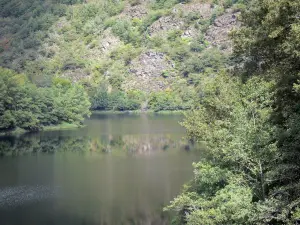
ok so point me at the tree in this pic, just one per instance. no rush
(23, 105)
(268, 45)
(233, 177)
(17, 109)
(71, 102)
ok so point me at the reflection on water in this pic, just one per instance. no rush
(119, 169)
(116, 145)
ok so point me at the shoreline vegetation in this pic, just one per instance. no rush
(240, 91)
(70, 126)
(20, 131)
(163, 112)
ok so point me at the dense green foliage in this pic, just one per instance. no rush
(116, 100)
(23, 105)
(248, 123)
(233, 124)
(66, 39)
(271, 49)
(25, 25)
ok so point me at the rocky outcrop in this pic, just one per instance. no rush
(136, 11)
(101, 48)
(147, 72)
(190, 32)
(76, 74)
(164, 24)
(218, 33)
(203, 9)
(175, 21)
(109, 41)
(153, 71)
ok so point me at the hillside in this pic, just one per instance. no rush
(65, 57)
(136, 54)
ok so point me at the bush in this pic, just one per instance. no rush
(179, 52)
(165, 100)
(134, 2)
(192, 17)
(127, 32)
(174, 35)
(199, 44)
(116, 80)
(125, 53)
(166, 4)
(155, 42)
(209, 59)
(121, 101)
(23, 105)
(100, 100)
(151, 18)
(116, 100)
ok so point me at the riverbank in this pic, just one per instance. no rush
(177, 112)
(70, 126)
(20, 131)
(134, 152)
(64, 126)
(17, 131)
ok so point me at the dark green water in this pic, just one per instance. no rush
(119, 169)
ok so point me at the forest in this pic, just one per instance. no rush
(27, 107)
(249, 124)
(67, 39)
(242, 104)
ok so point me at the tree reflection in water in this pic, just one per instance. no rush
(119, 169)
(120, 145)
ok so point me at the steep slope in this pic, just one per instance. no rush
(150, 52)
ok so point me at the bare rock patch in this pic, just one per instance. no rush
(147, 71)
(218, 33)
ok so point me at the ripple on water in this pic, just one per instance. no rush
(17, 196)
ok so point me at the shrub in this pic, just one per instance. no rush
(165, 100)
(127, 32)
(178, 51)
(198, 44)
(151, 18)
(125, 53)
(120, 101)
(192, 17)
(174, 35)
(134, 2)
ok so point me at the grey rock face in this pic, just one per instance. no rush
(165, 24)
(137, 11)
(218, 33)
(147, 70)
(204, 9)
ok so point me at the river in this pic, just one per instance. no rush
(118, 169)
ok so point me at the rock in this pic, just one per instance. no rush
(76, 75)
(191, 32)
(146, 72)
(102, 47)
(204, 9)
(165, 24)
(137, 11)
(217, 34)
(109, 41)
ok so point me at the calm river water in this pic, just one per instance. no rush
(119, 169)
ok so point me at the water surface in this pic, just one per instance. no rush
(119, 169)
